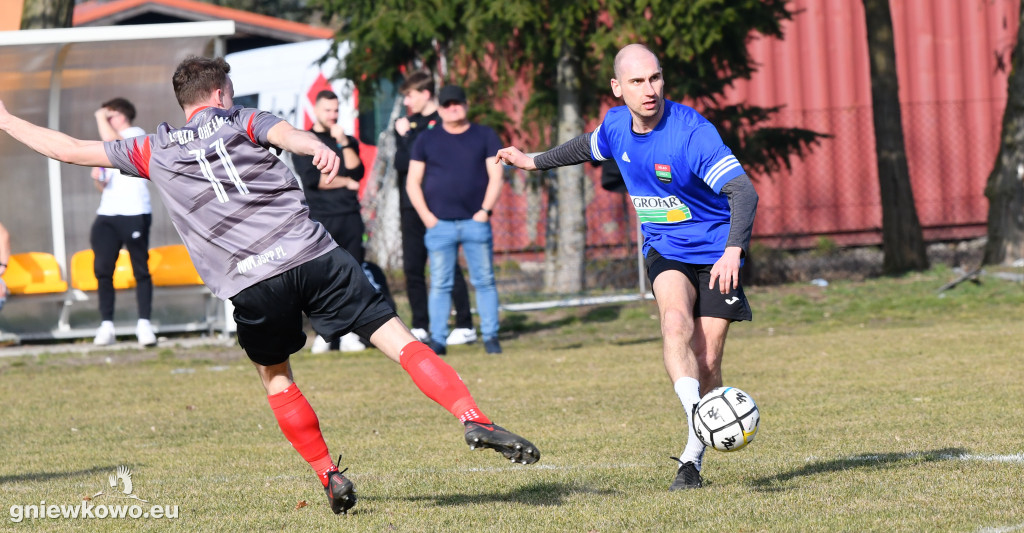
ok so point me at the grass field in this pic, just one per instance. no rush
(884, 408)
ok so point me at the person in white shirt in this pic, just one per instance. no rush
(122, 220)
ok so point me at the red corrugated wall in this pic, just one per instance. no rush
(953, 61)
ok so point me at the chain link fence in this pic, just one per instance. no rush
(829, 198)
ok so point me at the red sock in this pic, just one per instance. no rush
(302, 429)
(439, 382)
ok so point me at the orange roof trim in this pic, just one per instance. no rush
(90, 11)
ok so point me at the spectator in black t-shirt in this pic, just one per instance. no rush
(454, 182)
(418, 96)
(335, 204)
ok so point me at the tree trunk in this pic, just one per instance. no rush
(570, 252)
(1004, 189)
(902, 241)
(39, 14)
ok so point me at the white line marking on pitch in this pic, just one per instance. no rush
(1016, 458)
(1007, 529)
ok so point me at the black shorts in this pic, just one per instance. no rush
(732, 306)
(331, 290)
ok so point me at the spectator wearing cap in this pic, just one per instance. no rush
(453, 183)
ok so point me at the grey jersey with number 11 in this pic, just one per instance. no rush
(237, 207)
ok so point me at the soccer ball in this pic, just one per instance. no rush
(726, 419)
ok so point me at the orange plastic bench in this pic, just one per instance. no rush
(83, 277)
(171, 266)
(34, 273)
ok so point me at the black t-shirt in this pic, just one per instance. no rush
(455, 178)
(327, 202)
(417, 124)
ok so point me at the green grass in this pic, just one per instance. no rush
(883, 406)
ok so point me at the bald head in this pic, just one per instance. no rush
(631, 53)
(639, 83)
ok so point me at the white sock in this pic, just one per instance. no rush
(688, 390)
(107, 324)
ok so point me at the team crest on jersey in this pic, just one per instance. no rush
(660, 210)
(664, 173)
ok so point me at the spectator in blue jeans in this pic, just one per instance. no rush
(454, 182)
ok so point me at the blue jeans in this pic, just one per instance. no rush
(442, 242)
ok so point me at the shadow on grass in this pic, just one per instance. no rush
(876, 461)
(641, 340)
(44, 476)
(543, 494)
(521, 323)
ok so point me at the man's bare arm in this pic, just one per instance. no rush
(284, 135)
(5, 250)
(52, 143)
(107, 131)
(496, 179)
(414, 188)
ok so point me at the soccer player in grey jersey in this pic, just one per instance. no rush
(243, 218)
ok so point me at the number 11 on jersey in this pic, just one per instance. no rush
(229, 167)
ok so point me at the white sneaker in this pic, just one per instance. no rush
(351, 343)
(420, 334)
(144, 332)
(105, 335)
(320, 345)
(462, 336)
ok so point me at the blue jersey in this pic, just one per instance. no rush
(675, 176)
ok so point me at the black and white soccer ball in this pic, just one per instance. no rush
(726, 419)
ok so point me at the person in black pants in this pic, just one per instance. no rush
(418, 96)
(122, 219)
(335, 204)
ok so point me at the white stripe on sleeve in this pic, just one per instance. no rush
(720, 168)
(595, 152)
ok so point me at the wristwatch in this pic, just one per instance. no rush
(488, 211)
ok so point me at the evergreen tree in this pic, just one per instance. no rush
(40, 14)
(566, 49)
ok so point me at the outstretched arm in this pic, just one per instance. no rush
(52, 143)
(573, 152)
(284, 135)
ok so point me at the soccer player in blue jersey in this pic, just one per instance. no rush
(696, 207)
(244, 220)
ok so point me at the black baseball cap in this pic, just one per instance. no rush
(451, 93)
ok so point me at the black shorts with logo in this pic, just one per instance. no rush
(710, 302)
(331, 290)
